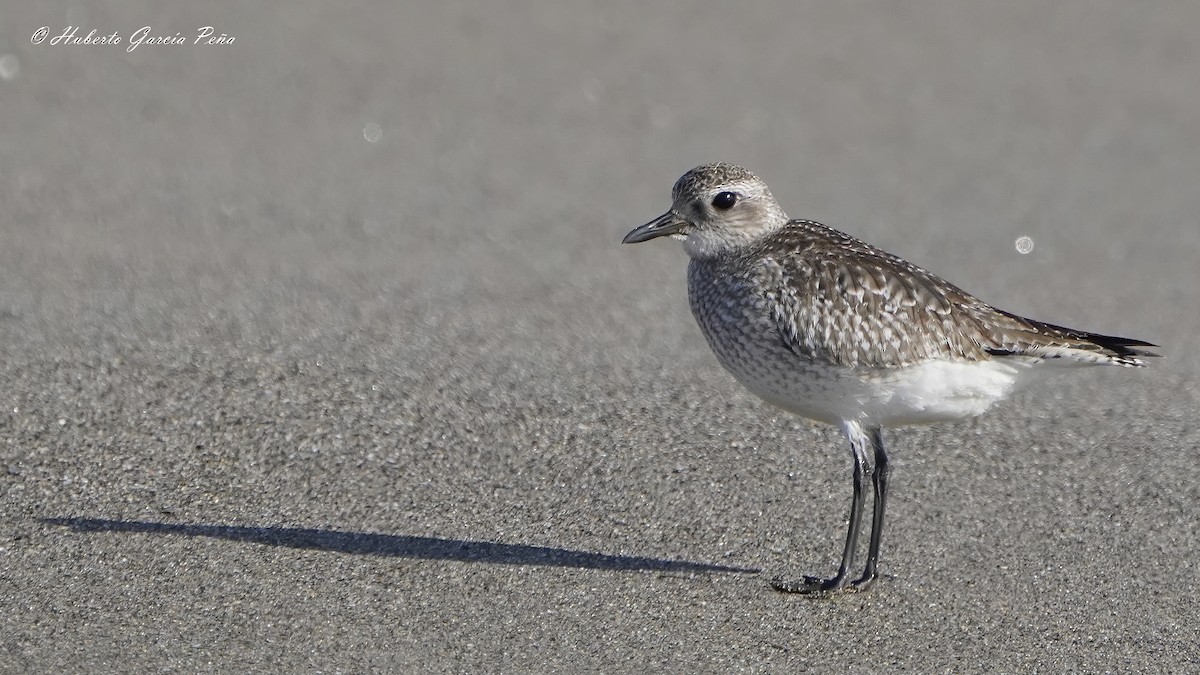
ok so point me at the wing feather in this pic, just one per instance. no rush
(839, 300)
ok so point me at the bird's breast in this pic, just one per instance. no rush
(736, 318)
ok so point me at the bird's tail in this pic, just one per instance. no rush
(1048, 341)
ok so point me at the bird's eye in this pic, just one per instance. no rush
(724, 200)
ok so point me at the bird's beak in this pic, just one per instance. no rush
(668, 223)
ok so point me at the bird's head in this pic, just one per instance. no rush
(715, 208)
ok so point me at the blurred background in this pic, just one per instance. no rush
(357, 272)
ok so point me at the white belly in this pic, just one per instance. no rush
(931, 392)
(941, 390)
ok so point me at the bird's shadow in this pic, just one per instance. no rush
(401, 546)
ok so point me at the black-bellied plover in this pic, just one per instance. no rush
(833, 329)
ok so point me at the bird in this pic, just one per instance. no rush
(830, 328)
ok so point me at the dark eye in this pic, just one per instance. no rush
(724, 200)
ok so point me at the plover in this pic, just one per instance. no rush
(833, 329)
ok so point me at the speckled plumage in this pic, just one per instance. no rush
(705, 178)
(831, 328)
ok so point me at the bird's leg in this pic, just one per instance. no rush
(880, 478)
(859, 441)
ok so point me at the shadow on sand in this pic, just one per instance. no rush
(402, 546)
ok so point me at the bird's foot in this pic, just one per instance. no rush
(808, 585)
(822, 588)
(865, 582)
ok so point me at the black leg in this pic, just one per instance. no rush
(880, 478)
(860, 439)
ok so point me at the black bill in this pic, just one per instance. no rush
(668, 223)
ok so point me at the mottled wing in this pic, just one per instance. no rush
(839, 300)
(842, 301)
